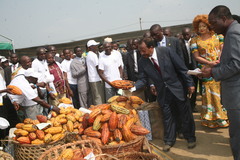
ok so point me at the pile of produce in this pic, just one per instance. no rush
(68, 121)
(113, 123)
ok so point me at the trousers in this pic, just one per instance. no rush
(234, 131)
(169, 119)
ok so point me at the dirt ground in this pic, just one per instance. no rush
(212, 144)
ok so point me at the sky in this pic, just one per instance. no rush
(40, 22)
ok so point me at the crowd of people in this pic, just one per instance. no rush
(157, 63)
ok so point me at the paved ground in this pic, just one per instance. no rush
(212, 144)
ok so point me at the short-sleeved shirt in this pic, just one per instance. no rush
(40, 67)
(28, 92)
(110, 65)
(92, 62)
(66, 68)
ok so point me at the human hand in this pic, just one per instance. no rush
(213, 63)
(56, 109)
(16, 106)
(70, 92)
(9, 90)
(52, 96)
(132, 89)
(153, 90)
(41, 84)
(206, 72)
(191, 89)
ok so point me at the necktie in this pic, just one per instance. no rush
(156, 65)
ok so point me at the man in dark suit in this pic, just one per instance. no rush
(173, 43)
(166, 69)
(10, 69)
(164, 41)
(228, 70)
(189, 60)
(131, 61)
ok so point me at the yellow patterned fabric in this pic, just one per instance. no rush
(213, 114)
(208, 49)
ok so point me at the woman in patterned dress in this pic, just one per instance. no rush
(206, 48)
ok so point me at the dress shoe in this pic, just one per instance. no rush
(191, 145)
(166, 148)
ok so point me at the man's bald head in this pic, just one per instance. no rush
(26, 62)
(186, 33)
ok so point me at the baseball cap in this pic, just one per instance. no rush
(4, 60)
(31, 73)
(108, 40)
(92, 43)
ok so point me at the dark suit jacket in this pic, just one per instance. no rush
(173, 70)
(129, 65)
(58, 59)
(192, 65)
(7, 74)
(228, 70)
(174, 44)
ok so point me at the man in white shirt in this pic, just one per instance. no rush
(67, 72)
(96, 85)
(26, 63)
(109, 69)
(39, 65)
(29, 100)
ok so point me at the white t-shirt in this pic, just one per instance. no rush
(110, 65)
(119, 56)
(20, 71)
(92, 62)
(40, 67)
(28, 92)
(66, 68)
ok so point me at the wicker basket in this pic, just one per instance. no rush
(5, 156)
(138, 156)
(54, 153)
(135, 145)
(33, 152)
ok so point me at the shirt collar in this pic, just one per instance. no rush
(154, 55)
(163, 41)
(79, 58)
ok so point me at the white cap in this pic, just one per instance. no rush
(31, 73)
(4, 123)
(4, 59)
(92, 43)
(107, 40)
